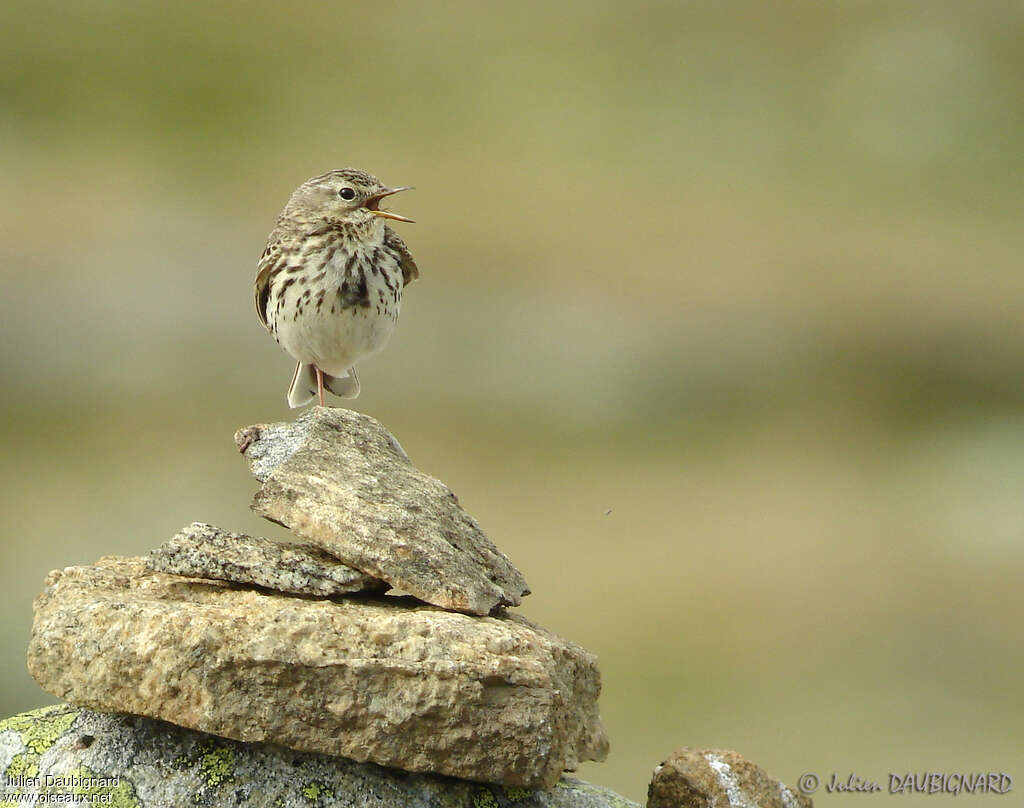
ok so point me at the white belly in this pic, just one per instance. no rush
(319, 325)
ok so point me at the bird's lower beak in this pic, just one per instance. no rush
(373, 202)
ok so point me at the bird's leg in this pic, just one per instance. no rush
(319, 384)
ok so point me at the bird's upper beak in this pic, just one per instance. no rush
(372, 203)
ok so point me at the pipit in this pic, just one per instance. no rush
(329, 284)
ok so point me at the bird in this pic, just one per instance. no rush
(329, 282)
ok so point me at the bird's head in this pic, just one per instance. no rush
(345, 195)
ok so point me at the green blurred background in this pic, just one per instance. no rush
(719, 332)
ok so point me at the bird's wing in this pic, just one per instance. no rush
(269, 262)
(393, 241)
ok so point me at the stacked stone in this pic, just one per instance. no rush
(382, 635)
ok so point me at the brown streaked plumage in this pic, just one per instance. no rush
(330, 280)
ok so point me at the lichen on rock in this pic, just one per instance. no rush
(153, 764)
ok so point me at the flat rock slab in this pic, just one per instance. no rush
(339, 479)
(491, 699)
(132, 761)
(205, 551)
(701, 778)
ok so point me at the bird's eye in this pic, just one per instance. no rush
(347, 193)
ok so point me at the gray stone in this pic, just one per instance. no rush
(339, 479)
(206, 551)
(717, 778)
(140, 763)
(493, 699)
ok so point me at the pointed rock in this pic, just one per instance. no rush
(206, 551)
(492, 699)
(340, 480)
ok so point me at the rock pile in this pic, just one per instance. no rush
(296, 644)
(378, 644)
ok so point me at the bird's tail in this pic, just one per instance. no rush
(303, 387)
(346, 386)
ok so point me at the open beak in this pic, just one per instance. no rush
(373, 202)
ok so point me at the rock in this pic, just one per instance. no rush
(205, 551)
(339, 479)
(135, 761)
(711, 778)
(492, 699)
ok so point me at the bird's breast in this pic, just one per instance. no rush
(342, 306)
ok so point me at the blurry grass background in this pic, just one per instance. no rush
(719, 332)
